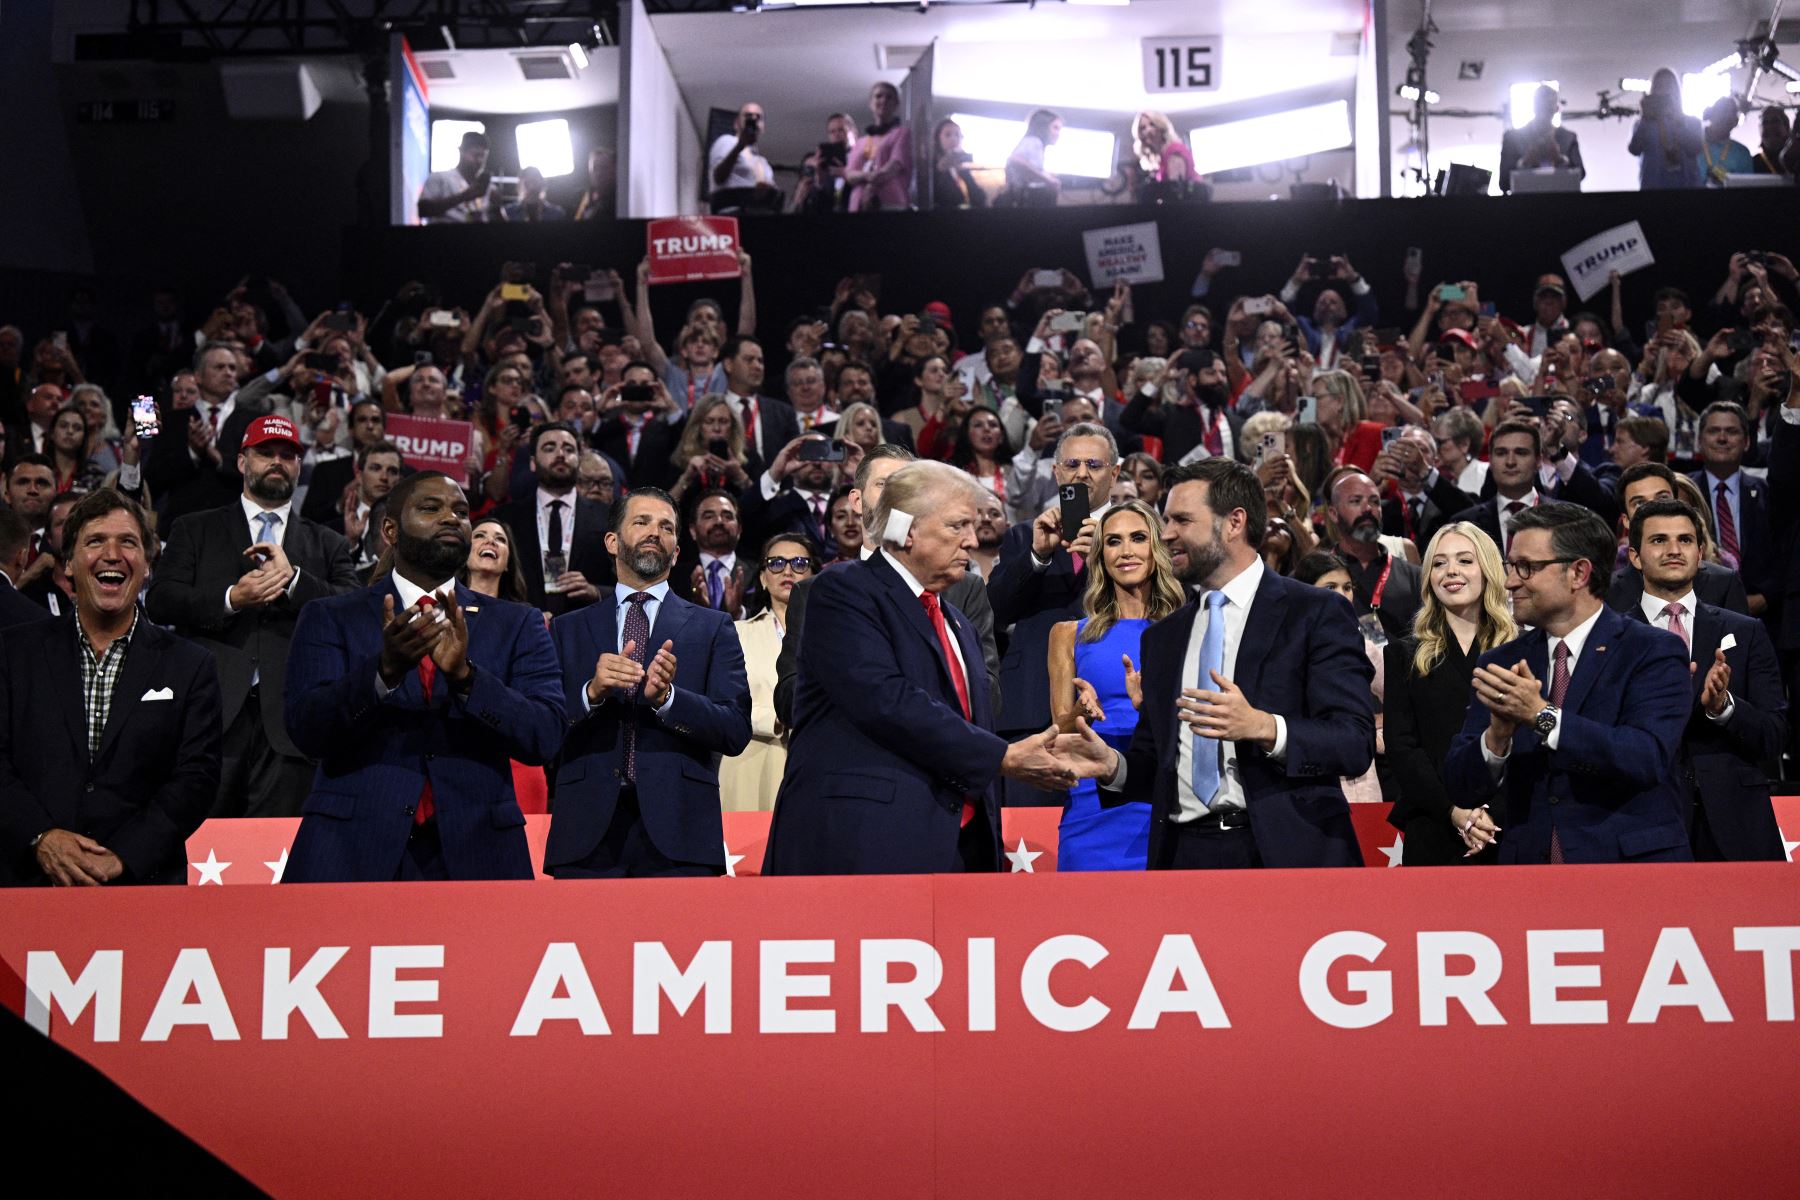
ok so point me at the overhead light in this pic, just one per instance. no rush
(1409, 92)
(1088, 153)
(1634, 85)
(1272, 138)
(1524, 102)
(446, 141)
(1699, 91)
(546, 146)
(1724, 64)
(578, 52)
(1793, 87)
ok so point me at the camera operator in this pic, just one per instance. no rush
(741, 176)
(459, 196)
(821, 187)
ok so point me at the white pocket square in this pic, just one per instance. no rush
(1730, 642)
(157, 694)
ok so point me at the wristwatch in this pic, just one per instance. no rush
(1545, 721)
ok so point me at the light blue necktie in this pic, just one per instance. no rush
(1212, 658)
(268, 521)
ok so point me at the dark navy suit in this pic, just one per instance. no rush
(1301, 657)
(1030, 601)
(377, 753)
(1722, 773)
(1607, 786)
(882, 760)
(1755, 535)
(677, 753)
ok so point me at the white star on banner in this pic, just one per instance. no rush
(212, 870)
(731, 861)
(1394, 851)
(278, 866)
(1787, 847)
(1022, 858)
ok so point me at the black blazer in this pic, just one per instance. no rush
(967, 595)
(1756, 541)
(1180, 426)
(325, 489)
(16, 608)
(1725, 769)
(203, 557)
(1030, 601)
(1423, 715)
(177, 483)
(1400, 598)
(587, 546)
(157, 770)
(777, 424)
(1581, 488)
(1716, 585)
(650, 466)
(1442, 500)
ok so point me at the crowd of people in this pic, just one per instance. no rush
(1202, 578)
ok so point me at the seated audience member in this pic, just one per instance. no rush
(234, 580)
(1094, 674)
(1540, 144)
(879, 705)
(1738, 724)
(1331, 572)
(1575, 728)
(493, 570)
(1715, 584)
(880, 165)
(711, 454)
(1241, 771)
(1428, 684)
(415, 712)
(531, 204)
(749, 780)
(115, 802)
(561, 534)
(655, 690)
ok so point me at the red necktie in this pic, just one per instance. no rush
(1215, 443)
(957, 679)
(1559, 687)
(427, 675)
(1728, 537)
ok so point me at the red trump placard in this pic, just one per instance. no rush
(432, 444)
(685, 249)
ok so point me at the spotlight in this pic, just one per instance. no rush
(578, 52)
(1409, 92)
(1634, 85)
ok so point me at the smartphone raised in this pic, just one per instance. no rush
(719, 448)
(1451, 291)
(821, 450)
(1046, 279)
(1073, 499)
(1390, 435)
(1227, 258)
(317, 361)
(1069, 322)
(1268, 448)
(1257, 306)
(637, 393)
(145, 419)
(1539, 405)
(520, 292)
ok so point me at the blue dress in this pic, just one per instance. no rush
(1093, 838)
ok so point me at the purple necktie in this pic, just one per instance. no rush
(637, 636)
(1559, 687)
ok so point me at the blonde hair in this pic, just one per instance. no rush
(1259, 423)
(916, 489)
(1343, 385)
(693, 436)
(1101, 601)
(846, 421)
(1493, 627)
(1151, 160)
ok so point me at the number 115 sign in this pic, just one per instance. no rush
(1181, 64)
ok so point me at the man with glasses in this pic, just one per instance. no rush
(1570, 741)
(1039, 581)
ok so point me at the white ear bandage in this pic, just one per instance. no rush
(899, 524)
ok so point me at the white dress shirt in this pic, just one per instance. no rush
(568, 530)
(1530, 499)
(1656, 611)
(1240, 596)
(1576, 639)
(252, 511)
(410, 593)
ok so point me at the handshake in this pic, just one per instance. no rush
(1054, 759)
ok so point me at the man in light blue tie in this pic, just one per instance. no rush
(234, 579)
(1262, 685)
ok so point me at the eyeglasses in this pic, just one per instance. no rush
(1094, 465)
(799, 565)
(1525, 568)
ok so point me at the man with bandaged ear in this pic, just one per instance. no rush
(893, 761)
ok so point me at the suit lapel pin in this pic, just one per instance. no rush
(1599, 649)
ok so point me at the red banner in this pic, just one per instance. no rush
(433, 444)
(255, 851)
(685, 249)
(1605, 1030)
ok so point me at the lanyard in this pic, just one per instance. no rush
(1381, 584)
